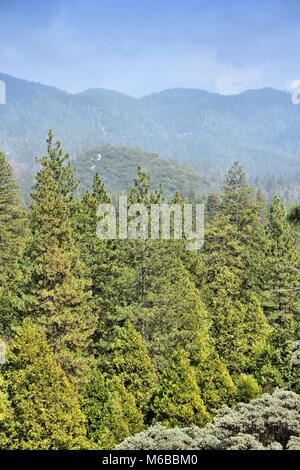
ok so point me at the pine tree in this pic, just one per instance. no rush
(128, 358)
(46, 411)
(235, 261)
(57, 292)
(177, 401)
(111, 411)
(281, 300)
(12, 235)
(262, 207)
(111, 278)
(237, 321)
(87, 219)
(213, 204)
(237, 194)
(216, 386)
(168, 310)
(11, 221)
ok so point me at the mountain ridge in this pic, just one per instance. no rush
(205, 130)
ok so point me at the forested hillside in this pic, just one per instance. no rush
(110, 338)
(206, 130)
(118, 167)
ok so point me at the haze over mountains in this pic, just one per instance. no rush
(207, 131)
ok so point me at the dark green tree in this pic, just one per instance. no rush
(46, 410)
(58, 292)
(11, 222)
(111, 411)
(177, 400)
(128, 358)
(12, 236)
(282, 279)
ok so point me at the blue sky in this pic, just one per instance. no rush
(138, 47)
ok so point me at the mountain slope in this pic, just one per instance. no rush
(206, 130)
(118, 167)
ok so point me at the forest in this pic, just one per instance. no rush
(143, 344)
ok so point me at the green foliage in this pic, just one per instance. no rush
(230, 312)
(274, 366)
(247, 388)
(177, 401)
(127, 357)
(46, 410)
(111, 411)
(216, 385)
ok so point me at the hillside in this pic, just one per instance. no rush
(118, 166)
(208, 131)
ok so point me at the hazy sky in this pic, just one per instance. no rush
(138, 47)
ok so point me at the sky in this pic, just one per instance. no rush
(142, 46)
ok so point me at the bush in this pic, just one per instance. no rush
(271, 422)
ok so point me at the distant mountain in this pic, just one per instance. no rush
(260, 128)
(118, 167)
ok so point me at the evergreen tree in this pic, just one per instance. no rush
(237, 194)
(282, 279)
(235, 261)
(280, 301)
(273, 367)
(262, 207)
(46, 411)
(237, 320)
(177, 401)
(111, 278)
(127, 357)
(12, 235)
(11, 222)
(87, 219)
(216, 385)
(213, 204)
(57, 292)
(168, 310)
(111, 411)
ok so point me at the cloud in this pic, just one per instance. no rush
(61, 39)
(138, 47)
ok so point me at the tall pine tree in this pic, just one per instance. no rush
(58, 292)
(12, 234)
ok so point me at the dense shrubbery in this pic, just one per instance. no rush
(271, 422)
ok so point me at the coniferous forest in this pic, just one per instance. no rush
(143, 344)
